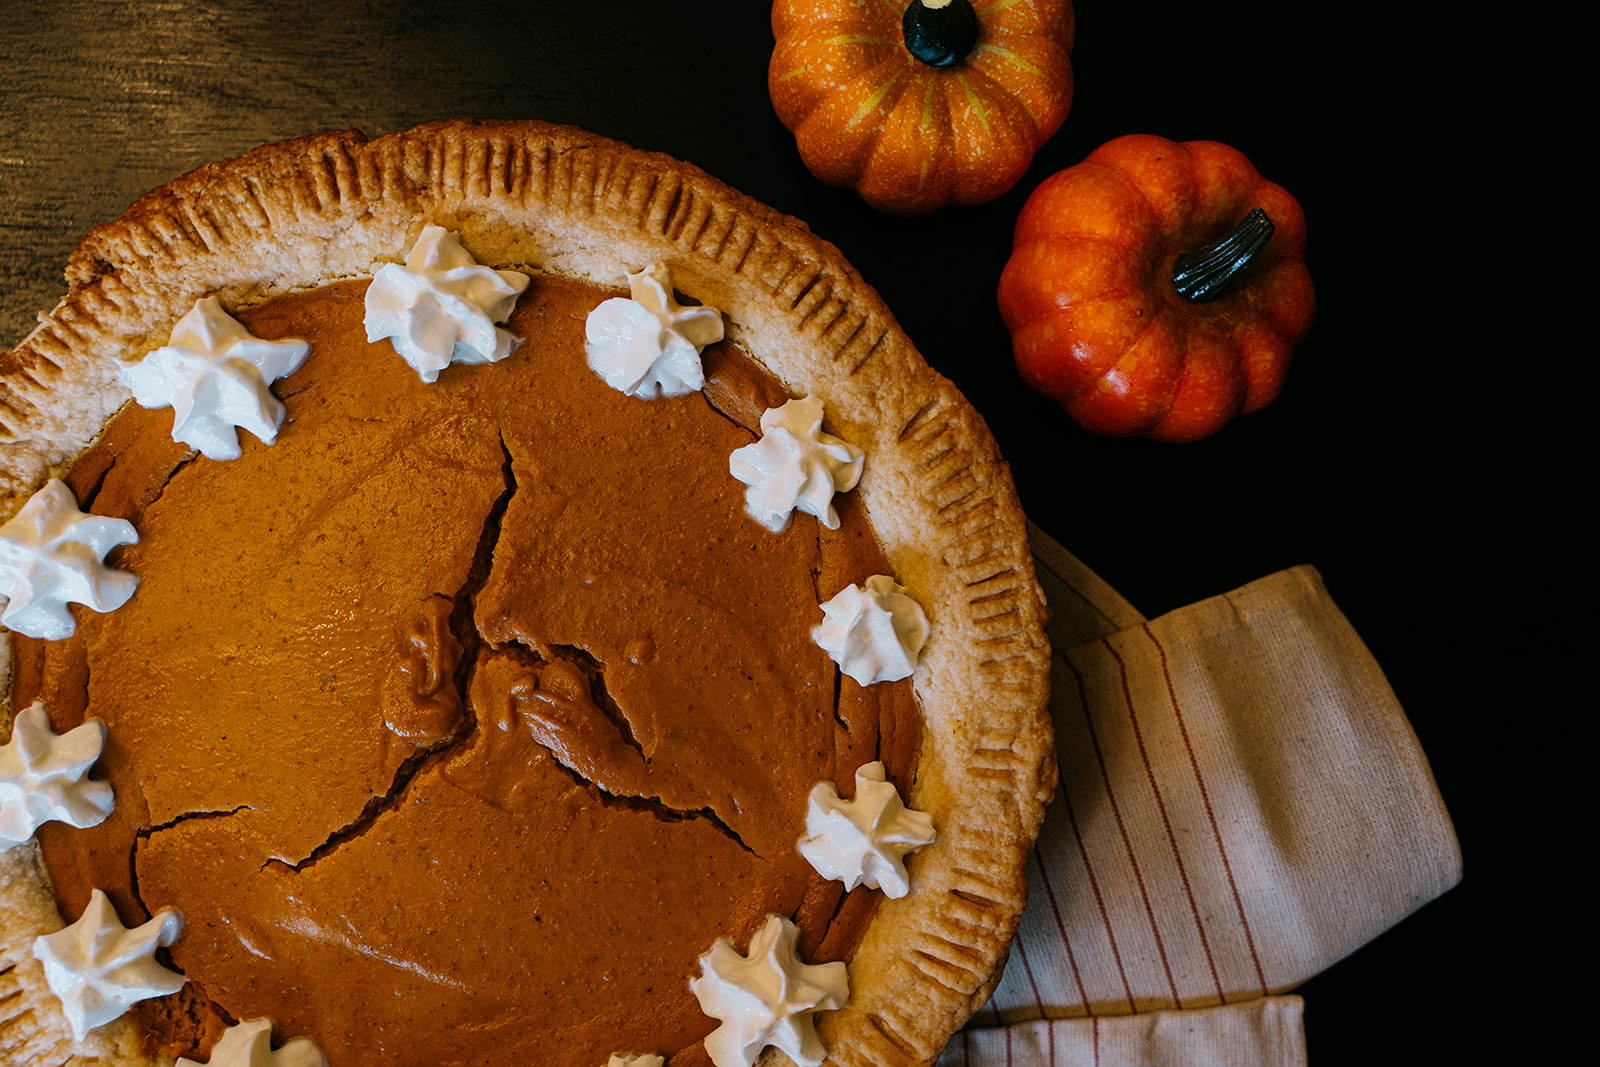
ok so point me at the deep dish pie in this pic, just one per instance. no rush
(597, 564)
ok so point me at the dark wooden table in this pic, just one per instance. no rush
(1396, 461)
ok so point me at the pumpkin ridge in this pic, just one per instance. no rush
(825, 59)
(1009, 56)
(877, 97)
(1116, 174)
(930, 86)
(1157, 210)
(852, 38)
(975, 103)
(1088, 368)
(1103, 386)
(1043, 125)
(1111, 288)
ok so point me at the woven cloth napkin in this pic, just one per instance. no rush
(1242, 803)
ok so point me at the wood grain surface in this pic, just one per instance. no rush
(1380, 464)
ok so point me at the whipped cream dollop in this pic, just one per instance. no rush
(767, 998)
(874, 631)
(249, 1044)
(864, 840)
(214, 374)
(44, 776)
(795, 466)
(52, 554)
(649, 346)
(97, 967)
(645, 1060)
(443, 306)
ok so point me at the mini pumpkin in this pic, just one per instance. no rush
(917, 106)
(1158, 288)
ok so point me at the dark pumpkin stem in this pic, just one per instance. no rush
(1206, 273)
(941, 33)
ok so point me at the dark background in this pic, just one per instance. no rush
(1413, 456)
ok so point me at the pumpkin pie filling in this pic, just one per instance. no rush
(461, 720)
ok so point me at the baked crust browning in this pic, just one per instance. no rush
(528, 195)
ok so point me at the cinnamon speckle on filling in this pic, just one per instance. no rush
(462, 720)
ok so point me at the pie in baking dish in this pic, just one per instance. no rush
(463, 717)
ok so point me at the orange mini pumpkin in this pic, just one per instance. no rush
(1158, 288)
(953, 116)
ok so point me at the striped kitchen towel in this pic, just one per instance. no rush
(1242, 803)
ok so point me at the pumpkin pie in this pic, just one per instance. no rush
(463, 717)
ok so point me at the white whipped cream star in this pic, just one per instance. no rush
(97, 968)
(51, 554)
(442, 305)
(767, 997)
(214, 375)
(864, 840)
(249, 1044)
(645, 1060)
(874, 632)
(649, 346)
(795, 466)
(44, 776)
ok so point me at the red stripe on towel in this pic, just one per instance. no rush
(1138, 876)
(1161, 806)
(1027, 969)
(1088, 868)
(1238, 901)
(1061, 928)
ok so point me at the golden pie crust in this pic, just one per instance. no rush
(306, 212)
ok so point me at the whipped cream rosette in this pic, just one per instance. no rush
(215, 375)
(767, 997)
(874, 631)
(864, 841)
(795, 466)
(249, 1044)
(97, 967)
(442, 306)
(52, 555)
(44, 776)
(648, 345)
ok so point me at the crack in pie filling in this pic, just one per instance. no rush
(463, 719)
